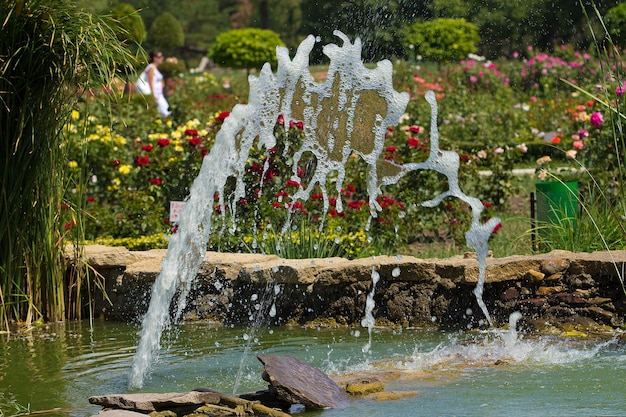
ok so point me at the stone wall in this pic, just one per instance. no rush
(560, 289)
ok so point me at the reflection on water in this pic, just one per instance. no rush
(455, 374)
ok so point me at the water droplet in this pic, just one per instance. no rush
(254, 297)
(396, 272)
(245, 336)
(273, 311)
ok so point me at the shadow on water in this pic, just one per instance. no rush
(454, 374)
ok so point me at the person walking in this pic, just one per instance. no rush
(151, 82)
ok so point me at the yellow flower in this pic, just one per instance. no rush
(178, 148)
(124, 169)
(120, 140)
(168, 123)
(75, 115)
(73, 164)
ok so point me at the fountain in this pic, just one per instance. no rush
(348, 114)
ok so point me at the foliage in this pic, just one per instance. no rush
(166, 32)
(615, 20)
(130, 27)
(441, 40)
(51, 52)
(245, 48)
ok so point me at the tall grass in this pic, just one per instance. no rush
(51, 53)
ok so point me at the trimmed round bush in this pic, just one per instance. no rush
(441, 40)
(245, 48)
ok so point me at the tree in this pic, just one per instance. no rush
(166, 32)
(245, 48)
(441, 40)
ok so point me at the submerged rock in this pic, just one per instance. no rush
(299, 383)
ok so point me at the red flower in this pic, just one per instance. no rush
(556, 139)
(191, 132)
(296, 124)
(282, 194)
(195, 141)
(332, 201)
(391, 149)
(156, 181)
(163, 142)
(356, 204)
(487, 205)
(416, 129)
(280, 120)
(317, 196)
(147, 148)
(142, 160)
(276, 205)
(222, 116)
(292, 183)
(498, 227)
(116, 162)
(413, 142)
(91, 199)
(68, 226)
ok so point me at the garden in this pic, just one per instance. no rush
(556, 114)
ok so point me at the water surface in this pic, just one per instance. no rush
(61, 366)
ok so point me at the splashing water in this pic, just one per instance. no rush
(348, 114)
(368, 321)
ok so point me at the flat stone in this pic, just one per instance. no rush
(118, 413)
(548, 290)
(299, 383)
(554, 266)
(569, 298)
(155, 402)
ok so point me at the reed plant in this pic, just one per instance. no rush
(52, 53)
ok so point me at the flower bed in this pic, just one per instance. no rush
(496, 115)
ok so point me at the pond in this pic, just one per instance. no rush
(471, 374)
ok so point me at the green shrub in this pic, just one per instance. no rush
(166, 32)
(441, 40)
(615, 21)
(245, 48)
(130, 27)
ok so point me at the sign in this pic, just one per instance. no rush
(176, 207)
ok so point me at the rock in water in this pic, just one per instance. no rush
(299, 383)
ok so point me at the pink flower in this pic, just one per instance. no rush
(578, 144)
(473, 79)
(583, 133)
(620, 90)
(596, 119)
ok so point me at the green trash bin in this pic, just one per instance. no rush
(557, 202)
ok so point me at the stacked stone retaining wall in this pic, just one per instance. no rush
(560, 289)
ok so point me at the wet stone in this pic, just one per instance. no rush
(299, 383)
(509, 294)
